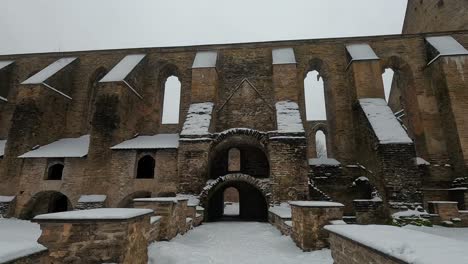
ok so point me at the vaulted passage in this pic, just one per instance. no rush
(46, 202)
(252, 203)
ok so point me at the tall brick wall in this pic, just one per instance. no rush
(435, 15)
(40, 116)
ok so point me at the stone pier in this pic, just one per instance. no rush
(106, 235)
(308, 220)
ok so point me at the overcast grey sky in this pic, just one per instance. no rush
(62, 25)
(28, 26)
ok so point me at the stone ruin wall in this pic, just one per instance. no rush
(111, 113)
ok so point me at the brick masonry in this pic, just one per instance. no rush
(244, 87)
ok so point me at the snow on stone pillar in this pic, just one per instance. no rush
(204, 77)
(448, 70)
(284, 74)
(308, 220)
(105, 235)
(166, 207)
(365, 71)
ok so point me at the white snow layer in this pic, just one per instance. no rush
(198, 120)
(448, 232)
(193, 200)
(96, 214)
(234, 243)
(205, 59)
(92, 198)
(63, 148)
(447, 45)
(385, 125)
(157, 199)
(421, 161)
(231, 209)
(123, 68)
(49, 71)
(405, 244)
(324, 162)
(361, 51)
(6, 199)
(3, 64)
(18, 238)
(2, 147)
(282, 210)
(283, 56)
(288, 117)
(159, 141)
(315, 204)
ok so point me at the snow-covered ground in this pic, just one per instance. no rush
(452, 232)
(234, 242)
(231, 209)
(18, 238)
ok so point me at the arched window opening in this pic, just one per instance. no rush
(231, 202)
(321, 144)
(145, 169)
(55, 172)
(387, 78)
(234, 160)
(171, 104)
(314, 96)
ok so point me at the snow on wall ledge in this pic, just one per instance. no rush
(407, 245)
(385, 125)
(198, 120)
(288, 117)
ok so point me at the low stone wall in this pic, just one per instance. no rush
(155, 228)
(166, 208)
(308, 220)
(281, 223)
(107, 235)
(369, 212)
(384, 244)
(346, 251)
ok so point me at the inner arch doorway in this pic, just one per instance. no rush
(253, 205)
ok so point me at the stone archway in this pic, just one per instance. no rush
(46, 202)
(254, 197)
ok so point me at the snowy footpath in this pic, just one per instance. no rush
(236, 243)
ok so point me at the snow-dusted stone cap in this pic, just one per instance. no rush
(315, 204)
(155, 219)
(63, 148)
(361, 51)
(447, 45)
(157, 199)
(420, 161)
(6, 199)
(205, 59)
(4, 64)
(406, 245)
(159, 141)
(100, 214)
(383, 122)
(442, 202)
(329, 162)
(123, 68)
(92, 198)
(49, 71)
(2, 147)
(283, 56)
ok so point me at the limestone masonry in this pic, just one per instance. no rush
(82, 130)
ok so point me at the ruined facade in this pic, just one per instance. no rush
(81, 129)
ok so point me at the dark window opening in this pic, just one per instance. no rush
(145, 168)
(55, 172)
